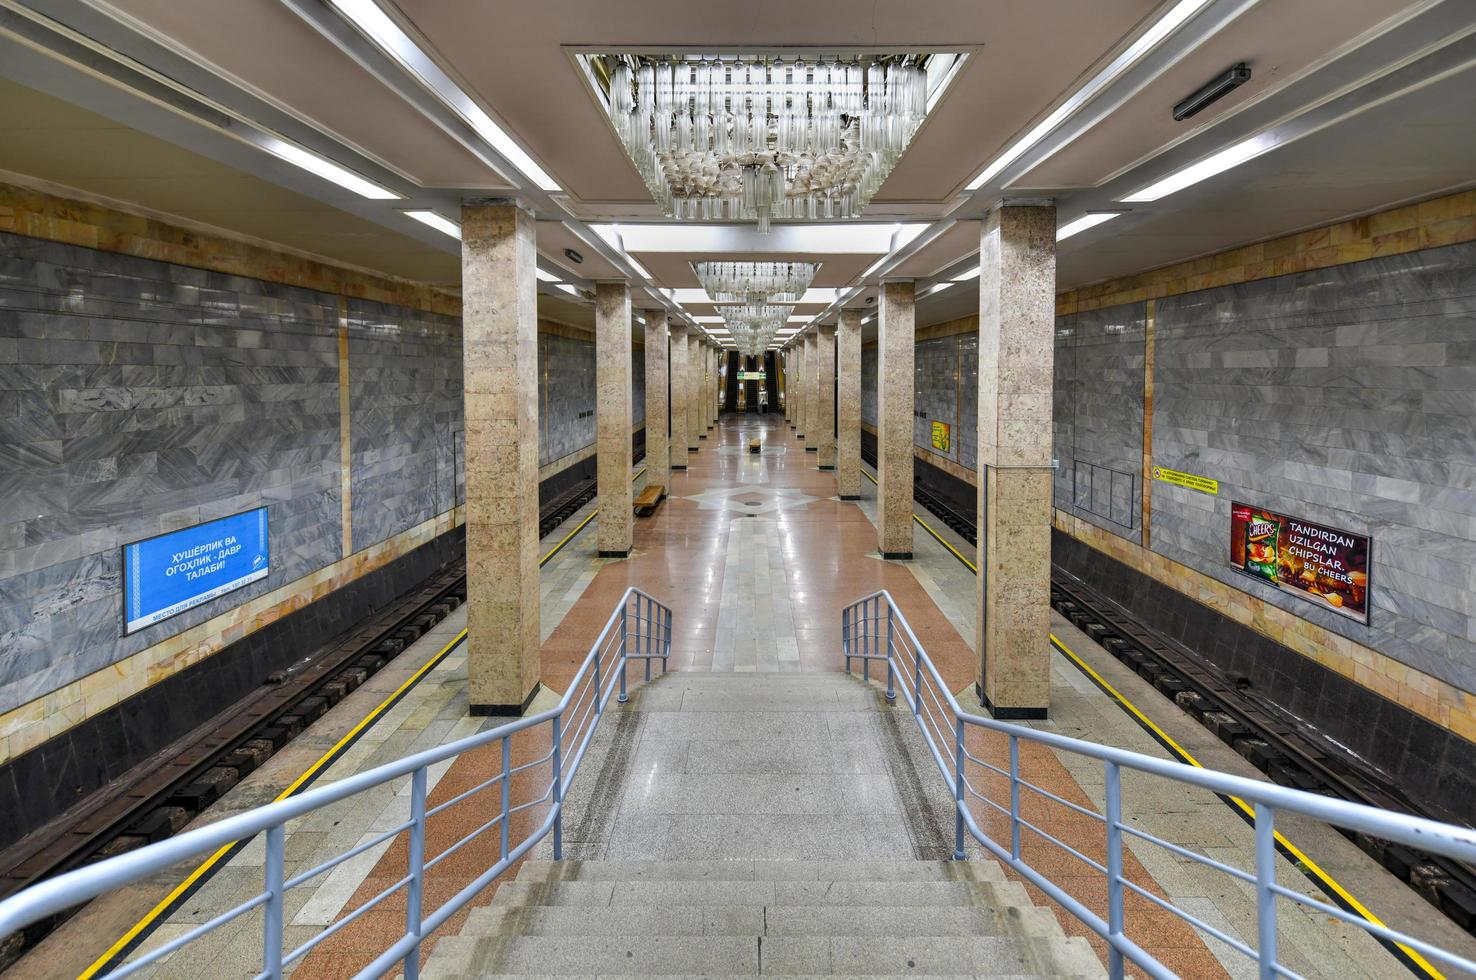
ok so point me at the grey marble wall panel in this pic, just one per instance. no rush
(138, 397)
(966, 432)
(566, 412)
(868, 385)
(1344, 396)
(936, 377)
(405, 412)
(637, 385)
(1098, 416)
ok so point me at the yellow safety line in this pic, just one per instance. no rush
(1297, 854)
(323, 760)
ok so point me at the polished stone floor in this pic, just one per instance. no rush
(758, 556)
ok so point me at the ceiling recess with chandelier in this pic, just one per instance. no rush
(755, 299)
(766, 137)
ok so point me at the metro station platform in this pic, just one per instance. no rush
(757, 558)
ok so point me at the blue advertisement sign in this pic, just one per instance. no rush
(164, 576)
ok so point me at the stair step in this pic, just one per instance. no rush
(633, 870)
(783, 955)
(661, 894)
(757, 920)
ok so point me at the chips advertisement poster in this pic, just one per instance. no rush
(942, 437)
(1322, 564)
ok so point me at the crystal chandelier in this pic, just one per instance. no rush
(755, 138)
(755, 282)
(753, 325)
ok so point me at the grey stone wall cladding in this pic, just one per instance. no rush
(138, 397)
(566, 410)
(935, 393)
(1098, 413)
(405, 412)
(868, 386)
(1345, 396)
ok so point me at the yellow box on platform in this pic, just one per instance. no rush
(1180, 479)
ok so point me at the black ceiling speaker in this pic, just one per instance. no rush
(1213, 91)
(573, 256)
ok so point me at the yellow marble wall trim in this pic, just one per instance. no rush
(74, 221)
(1445, 220)
(1427, 696)
(31, 724)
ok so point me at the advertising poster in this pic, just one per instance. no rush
(165, 575)
(942, 436)
(1322, 564)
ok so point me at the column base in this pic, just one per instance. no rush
(709, 428)
(503, 710)
(897, 555)
(693, 449)
(615, 554)
(849, 496)
(800, 435)
(812, 449)
(1008, 714)
(702, 436)
(678, 466)
(822, 465)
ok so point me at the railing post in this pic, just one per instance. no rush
(1265, 897)
(1015, 797)
(558, 786)
(1114, 868)
(271, 932)
(647, 659)
(958, 789)
(846, 636)
(414, 895)
(620, 661)
(507, 790)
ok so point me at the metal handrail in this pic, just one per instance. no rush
(639, 628)
(875, 629)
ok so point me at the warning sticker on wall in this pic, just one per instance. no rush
(1179, 479)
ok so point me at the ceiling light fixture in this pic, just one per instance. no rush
(755, 282)
(367, 16)
(546, 276)
(567, 288)
(967, 274)
(1090, 220)
(1232, 156)
(1161, 28)
(439, 222)
(329, 171)
(755, 138)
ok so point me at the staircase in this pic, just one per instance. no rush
(759, 824)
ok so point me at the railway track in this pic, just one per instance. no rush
(1277, 743)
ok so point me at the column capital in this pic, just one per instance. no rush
(497, 202)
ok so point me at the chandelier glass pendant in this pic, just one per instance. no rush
(753, 325)
(755, 282)
(757, 138)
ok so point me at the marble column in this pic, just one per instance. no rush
(612, 418)
(848, 406)
(812, 392)
(680, 340)
(696, 429)
(709, 396)
(500, 367)
(825, 396)
(1017, 314)
(658, 448)
(896, 334)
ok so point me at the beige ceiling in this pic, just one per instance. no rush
(58, 142)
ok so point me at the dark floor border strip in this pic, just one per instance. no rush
(145, 927)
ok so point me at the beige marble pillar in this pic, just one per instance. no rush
(695, 428)
(612, 418)
(1017, 307)
(499, 303)
(825, 396)
(848, 406)
(709, 393)
(658, 448)
(681, 338)
(896, 335)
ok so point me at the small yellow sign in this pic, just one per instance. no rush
(942, 436)
(1201, 483)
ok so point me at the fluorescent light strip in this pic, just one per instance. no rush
(1162, 28)
(546, 276)
(966, 276)
(1232, 156)
(369, 18)
(567, 288)
(1083, 223)
(439, 222)
(937, 286)
(329, 171)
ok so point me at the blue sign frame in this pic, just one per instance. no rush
(170, 573)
